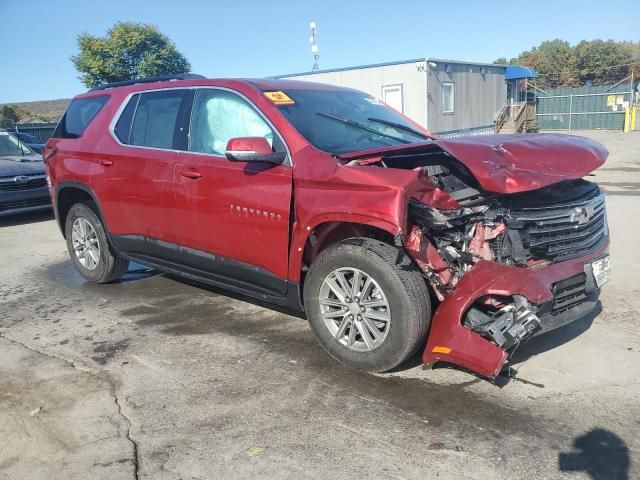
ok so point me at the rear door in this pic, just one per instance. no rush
(134, 181)
(233, 217)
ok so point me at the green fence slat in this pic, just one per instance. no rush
(589, 111)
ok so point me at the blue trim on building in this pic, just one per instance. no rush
(517, 72)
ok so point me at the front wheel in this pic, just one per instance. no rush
(89, 248)
(367, 303)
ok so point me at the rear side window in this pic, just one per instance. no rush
(154, 120)
(78, 116)
(123, 127)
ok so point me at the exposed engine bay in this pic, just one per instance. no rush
(454, 224)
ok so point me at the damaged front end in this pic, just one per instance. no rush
(496, 262)
(507, 233)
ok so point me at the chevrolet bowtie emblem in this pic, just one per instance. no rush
(582, 215)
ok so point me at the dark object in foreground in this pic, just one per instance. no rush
(23, 186)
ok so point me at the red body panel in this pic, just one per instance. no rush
(235, 209)
(211, 204)
(139, 183)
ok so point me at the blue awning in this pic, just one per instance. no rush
(516, 72)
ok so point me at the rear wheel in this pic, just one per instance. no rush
(89, 248)
(367, 303)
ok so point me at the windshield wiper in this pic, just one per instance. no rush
(400, 126)
(353, 123)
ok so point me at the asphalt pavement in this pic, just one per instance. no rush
(156, 378)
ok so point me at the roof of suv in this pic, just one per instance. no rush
(261, 84)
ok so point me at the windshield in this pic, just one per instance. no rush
(25, 137)
(342, 121)
(9, 145)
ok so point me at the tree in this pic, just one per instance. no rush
(554, 60)
(602, 61)
(500, 61)
(8, 114)
(634, 51)
(129, 50)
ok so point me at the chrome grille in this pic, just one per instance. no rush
(559, 231)
(35, 202)
(25, 182)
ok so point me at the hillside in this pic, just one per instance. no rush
(48, 109)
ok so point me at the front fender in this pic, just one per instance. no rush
(366, 195)
(302, 230)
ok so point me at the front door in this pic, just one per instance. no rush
(233, 217)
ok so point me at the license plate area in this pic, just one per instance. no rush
(601, 270)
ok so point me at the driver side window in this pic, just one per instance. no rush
(218, 116)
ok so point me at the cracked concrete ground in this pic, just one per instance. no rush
(155, 378)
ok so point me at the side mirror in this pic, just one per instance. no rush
(252, 149)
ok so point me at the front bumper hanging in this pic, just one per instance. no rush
(540, 305)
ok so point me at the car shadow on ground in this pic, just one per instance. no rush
(533, 347)
(554, 338)
(25, 218)
(238, 296)
(138, 272)
(599, 453)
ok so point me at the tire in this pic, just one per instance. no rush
(101, 266)
(401, 286)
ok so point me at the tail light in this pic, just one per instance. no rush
(48, 152)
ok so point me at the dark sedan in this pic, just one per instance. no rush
(23, 184)
(30, 141)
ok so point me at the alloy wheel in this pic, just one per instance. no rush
(354, 309)
(85, 243)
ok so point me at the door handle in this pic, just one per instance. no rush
(191, 173)
(105, 162)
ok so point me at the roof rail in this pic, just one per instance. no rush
(160, 78)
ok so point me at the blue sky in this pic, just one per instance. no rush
(259, 38)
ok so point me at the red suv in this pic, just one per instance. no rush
(325, 200)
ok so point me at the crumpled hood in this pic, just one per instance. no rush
(513, 163)
(11, 166)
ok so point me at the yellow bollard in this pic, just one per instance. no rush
(627, 120)
(634, 109)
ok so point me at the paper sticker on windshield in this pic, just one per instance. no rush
(279, 98)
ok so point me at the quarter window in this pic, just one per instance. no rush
(218, 116)
(123, 127)
(154, 121)
(448, 97)
(78, 116)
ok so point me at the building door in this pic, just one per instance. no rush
(393, 96)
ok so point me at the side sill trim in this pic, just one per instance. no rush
(208, 268)
(289, 300)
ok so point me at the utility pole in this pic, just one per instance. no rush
(314, 46)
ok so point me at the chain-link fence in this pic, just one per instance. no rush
(583, 108)
(42, 131)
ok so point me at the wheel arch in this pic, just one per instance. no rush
(71, 192)
(312, 238)
(327, 233)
